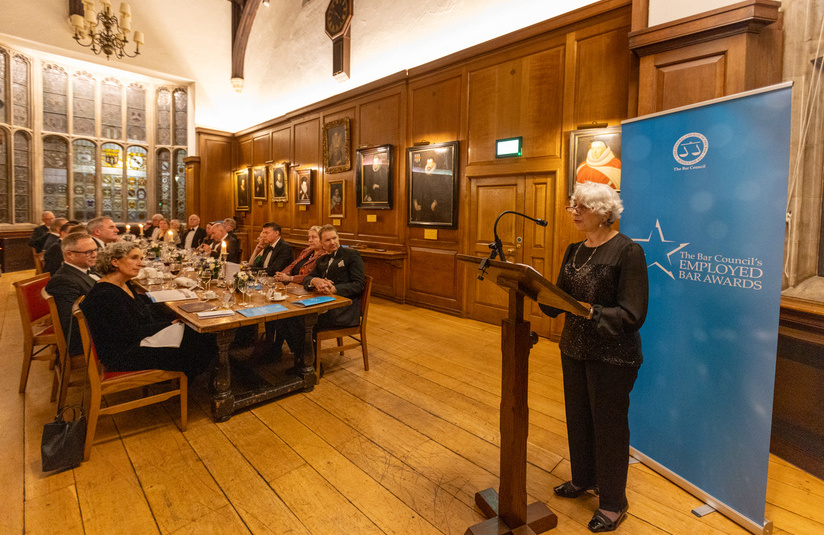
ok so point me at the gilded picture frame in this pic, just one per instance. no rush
(595, 155)
(337, 146)
(432, 175)
(304, 186)
(259, 183)
(243, 191)
(336, 197)
(279, 183)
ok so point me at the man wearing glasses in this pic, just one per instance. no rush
(72, 280)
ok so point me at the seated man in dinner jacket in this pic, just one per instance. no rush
(272, 253)
(71, 281)
(340, 271)
(194, 235)
(220, 235)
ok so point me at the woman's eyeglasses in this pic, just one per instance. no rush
(577, 208)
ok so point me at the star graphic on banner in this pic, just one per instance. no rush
(660, 250)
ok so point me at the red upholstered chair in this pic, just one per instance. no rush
(356, 333)
(103, 383)
(65, 363)
(39, 338)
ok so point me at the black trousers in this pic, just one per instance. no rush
(596, 395)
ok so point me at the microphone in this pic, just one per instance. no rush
(497, 246)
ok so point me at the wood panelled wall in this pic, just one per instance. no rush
(538, 83)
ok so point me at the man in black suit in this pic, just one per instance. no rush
(53, 255)
(103, 231)
(53, 235)
(272, 253)
(220, 236)
(71, 281)
(194, 235)
(340, 271)
(38, 235)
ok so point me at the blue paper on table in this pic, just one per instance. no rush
(313, 301)
(260, 311)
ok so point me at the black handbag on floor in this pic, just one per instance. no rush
(64, 440)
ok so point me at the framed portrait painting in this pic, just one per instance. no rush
(259, 183)
(595, 156)
(337, 146)
(278, 184)
(303, 186)
(337, 192)
(432, 174)
(374, 174)
(243, 191)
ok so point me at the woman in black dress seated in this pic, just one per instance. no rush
(600, 353)
(120, 319)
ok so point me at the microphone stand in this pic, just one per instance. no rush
(497, 246)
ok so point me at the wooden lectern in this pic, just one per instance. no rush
(506, 510)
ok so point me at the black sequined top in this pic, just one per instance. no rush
(613, 278)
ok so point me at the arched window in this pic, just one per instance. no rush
(55, 99)
(111, 171)
(56, 175)
(83, 91)
(20, 91)
(180, 185)
(181, 117)
(164, 117)
(3, 78)
(136, 184)
(112, 109)
(85, 180)
(22, 177)
(136, 113)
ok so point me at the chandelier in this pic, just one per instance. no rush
(103, 30)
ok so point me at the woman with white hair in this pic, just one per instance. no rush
(600, 352)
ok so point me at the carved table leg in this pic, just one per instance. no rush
(307, 367)
(223, 401)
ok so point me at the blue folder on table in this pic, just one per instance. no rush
(260, 311)
(313, 301)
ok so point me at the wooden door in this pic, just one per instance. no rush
(524, 241)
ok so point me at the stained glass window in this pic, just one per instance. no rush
(84, 179)
(181, 103)
(136, 113)
(164, 117)
(56, 175)
(22, 177)
(180, 185)
(111, 170)
(83, 90)
(3, 86)
(112, 108)
(20, 90)
(163, 188)
(55, 99)
(4, 176)
(135, 176)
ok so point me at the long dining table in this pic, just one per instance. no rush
(236, 389)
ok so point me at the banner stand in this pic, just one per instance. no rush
(727, 511)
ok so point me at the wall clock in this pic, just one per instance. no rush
(336, 22)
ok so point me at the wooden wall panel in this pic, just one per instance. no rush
(602, 70)
(687, 82)
(521, 97)
(261, 149)
(378, 123)
(435, 279)
(435, 109)
(245, 154)
(216, 200)
(307, 154)
(282, 145)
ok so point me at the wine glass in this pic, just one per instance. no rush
(174, 268)
(249, 291)
(206, 278)
(227, 299)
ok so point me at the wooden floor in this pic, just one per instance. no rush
(400, 449)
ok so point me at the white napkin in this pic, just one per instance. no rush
(215, 314)
(185, 282)
(147, 273)
(171, 336)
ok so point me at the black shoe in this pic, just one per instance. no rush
(568, 490)
(601, 523)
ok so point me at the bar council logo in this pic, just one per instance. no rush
(689, 150)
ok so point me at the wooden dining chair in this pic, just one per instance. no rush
(103, 383)
(65, 363)
(39, 337)
(356, 333)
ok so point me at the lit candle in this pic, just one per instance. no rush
(169, 235)
(223, 247)
(128, 229)
(141, 229)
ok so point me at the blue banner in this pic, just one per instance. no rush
(705, 192)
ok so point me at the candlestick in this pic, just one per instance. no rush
(141, 229)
